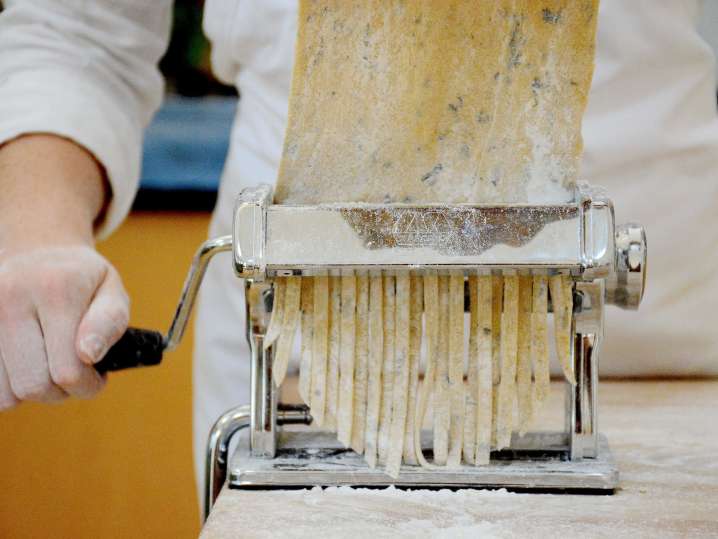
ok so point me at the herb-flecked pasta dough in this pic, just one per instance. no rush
(426, 101)
(419, 101)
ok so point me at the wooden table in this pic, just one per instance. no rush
(664, 435)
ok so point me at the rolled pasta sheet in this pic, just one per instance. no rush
(539, 340)
(415, 335)
(335, 318)
(509, 344)
(345, 415)
(400, 391)
(361, 363)
(374, 380)
(523, 375)
(456, 366)
(509, 70)
(305, 364)
(442, 399)
(320, 349)
(275, 322)
(290, 321)
(387, 371)
(431, 312)
(561, 289)
(485, 389)
(472, 378)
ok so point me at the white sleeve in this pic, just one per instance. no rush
(86, 71)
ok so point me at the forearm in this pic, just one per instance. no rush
(53, 191)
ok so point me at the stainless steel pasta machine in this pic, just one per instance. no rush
(607, 264)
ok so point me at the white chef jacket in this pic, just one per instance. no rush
(87, 71)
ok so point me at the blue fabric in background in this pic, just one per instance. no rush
(186, 144)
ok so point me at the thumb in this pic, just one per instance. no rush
(105, 320)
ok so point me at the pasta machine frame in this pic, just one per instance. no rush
(607, 265)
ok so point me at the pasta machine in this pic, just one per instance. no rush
(607, 264)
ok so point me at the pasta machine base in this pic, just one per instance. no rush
(536, 461)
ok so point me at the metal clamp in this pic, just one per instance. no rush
(229, 424)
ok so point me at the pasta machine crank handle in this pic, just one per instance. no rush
(144, 347)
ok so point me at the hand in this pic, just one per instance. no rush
(61, 308)
(62, 305)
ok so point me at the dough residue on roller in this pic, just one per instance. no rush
(420, 101)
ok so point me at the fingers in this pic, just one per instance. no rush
(26, 362)
(105, 320)
(60, 316)
(60, 310)
(7, 397)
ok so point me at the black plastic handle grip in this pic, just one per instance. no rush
(136, 348)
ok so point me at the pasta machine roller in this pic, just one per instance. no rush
(607, 265)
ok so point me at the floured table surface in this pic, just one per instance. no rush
(662, 434)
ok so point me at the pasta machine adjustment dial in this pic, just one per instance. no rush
(626, 285)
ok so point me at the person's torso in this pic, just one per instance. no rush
(650, 135)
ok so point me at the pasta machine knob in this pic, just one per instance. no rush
(625, 287)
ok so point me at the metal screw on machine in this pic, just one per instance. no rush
(625, 286)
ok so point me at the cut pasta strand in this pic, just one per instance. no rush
(305, 367)
(431, 311)
(374, 381)
(345, 414)
(400, 390)
(523, 373)
(335, 317)
(509, 342)
(472, 390)
(275, 323)
(497, 302)
(484, 397)
(442, 402)
(561, 289)
(387, 371)
(456, 366)
(415, 334)
(539, 338)
(361, 366)
(320, 349)
(290, 320)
